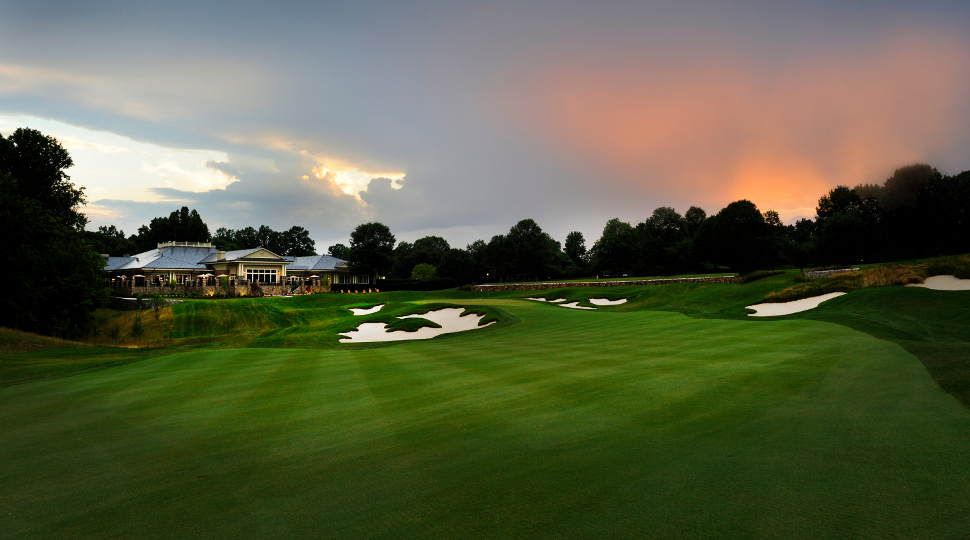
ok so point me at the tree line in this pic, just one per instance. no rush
(185, 225)
(917, 212)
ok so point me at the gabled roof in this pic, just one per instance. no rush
(316, 262)
(169, 258)
(239, 254)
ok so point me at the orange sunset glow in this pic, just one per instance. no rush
(725, 128)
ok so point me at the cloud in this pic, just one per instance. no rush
(73, 144)
(725, 126)
(224, 167)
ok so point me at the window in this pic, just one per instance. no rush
(347, 279)
(261, 275)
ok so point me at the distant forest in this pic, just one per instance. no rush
(917, 212)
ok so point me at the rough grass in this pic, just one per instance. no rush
(16, 341)
(879, 276)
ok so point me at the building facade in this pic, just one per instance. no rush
(200, 264)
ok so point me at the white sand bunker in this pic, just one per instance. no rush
(944, 283)
(449, 319)
(538, 299)
(366, 311)
(575, 305)
(787, 308)
(605, 302)
(557, 300)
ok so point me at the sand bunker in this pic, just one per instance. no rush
(366, 311)
(944, 283)
(538, 299)
(450, 320)
(605, 302)
(557, 300)
(575, 305)
(787, 308)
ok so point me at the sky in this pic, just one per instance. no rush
(459, 119)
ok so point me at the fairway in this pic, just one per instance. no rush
(556, 423)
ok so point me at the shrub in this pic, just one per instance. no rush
(759, 274)
(424, 272)
(137, 329)
(114, 331)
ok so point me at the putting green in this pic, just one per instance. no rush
(568, 424)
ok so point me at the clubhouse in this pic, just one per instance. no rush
(201, 264)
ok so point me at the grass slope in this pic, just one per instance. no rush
(568, 424)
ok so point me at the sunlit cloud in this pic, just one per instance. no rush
(353, 181)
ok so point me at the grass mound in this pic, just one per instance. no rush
(16, 341)
(879, 276)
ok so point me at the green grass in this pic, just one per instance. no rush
(671, 416)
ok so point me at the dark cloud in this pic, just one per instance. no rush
(224, 167)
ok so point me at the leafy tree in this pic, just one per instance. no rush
(615, 252)
(371, 249)
(839, 199)
(534, 250)
(424, 272)
(403, 260)
(458, 265)
(842, 238)
(429, 250)
(902, 188)
(182, 225)
(741, 236)
(294, 242)
(693, 219)
(54, 280)
(576, 248)
(477, 256)
(339, 251)
(499, 257)
(111, 240)
(38, 162)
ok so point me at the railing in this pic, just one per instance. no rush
(184, 244)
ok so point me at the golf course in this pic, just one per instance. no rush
(671, 415)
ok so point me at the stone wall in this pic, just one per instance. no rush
(826, 273)
(567, 284)
(238, 289)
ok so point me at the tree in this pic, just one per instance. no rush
(54, 280)
(458, 265)
(109, 239)
(181, 225)
(614, 253)
(741, 236)
(37, 162)
(842, 238)
(371, 249)
(534, 251)
(424, 272)
(839, 199)
(339, 251)
(429, 250)
(693, 219)
(576, 248)
(499, 257)
(478, 257)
